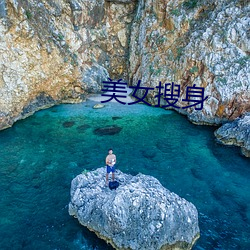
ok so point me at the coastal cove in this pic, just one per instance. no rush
(39, 156)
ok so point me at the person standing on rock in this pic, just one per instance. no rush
(110, 161)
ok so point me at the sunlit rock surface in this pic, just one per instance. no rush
(205, 43)
(59, 51)
(140, 214)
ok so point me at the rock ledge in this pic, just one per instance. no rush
(140, 214)
(236, 133)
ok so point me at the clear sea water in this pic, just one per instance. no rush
(39, 156)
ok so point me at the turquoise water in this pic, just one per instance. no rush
(39, 156)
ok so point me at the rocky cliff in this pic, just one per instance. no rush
(140, 214)
(236, 133)
(203, 42)
(59, 51)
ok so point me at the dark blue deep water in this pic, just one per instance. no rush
(39, 156)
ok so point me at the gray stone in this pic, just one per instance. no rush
(236, 133)
(93, 77)
(41, 101)
(74, 5)
(2, 8)
(140, 214)
(98, 106)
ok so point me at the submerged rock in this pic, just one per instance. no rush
(82, 128)
(140, 214)
(236, 133)
(114, 118)
(108, 130)
(68, 124)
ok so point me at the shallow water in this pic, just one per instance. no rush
(39, 156)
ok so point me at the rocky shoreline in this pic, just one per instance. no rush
(236, 133)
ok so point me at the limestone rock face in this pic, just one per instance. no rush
(236, 133)
(59, 51)
(139, 214)
(205, 43)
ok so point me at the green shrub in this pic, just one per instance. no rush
(158, 72)
(28, 14)
(151, 69)
(190, 4)
(179, 52)
(243, 60)
(194, 69)
(60, 37)
(222, 80)
(161, 40)
(175, 12)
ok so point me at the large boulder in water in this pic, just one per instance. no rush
(139, 214)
